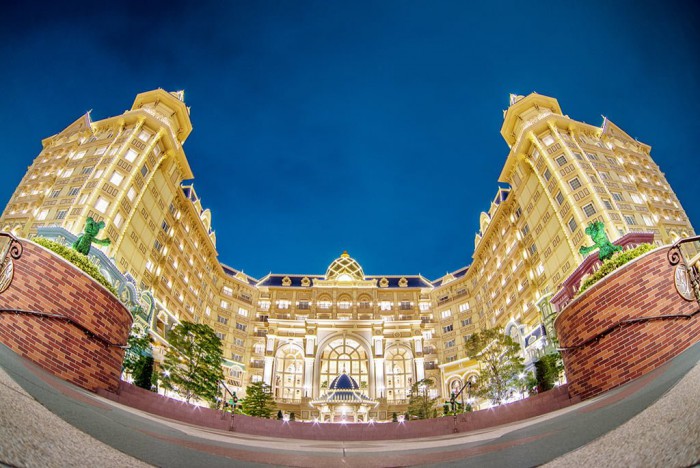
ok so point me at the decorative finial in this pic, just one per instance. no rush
(345, 253)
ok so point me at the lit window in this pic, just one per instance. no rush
(79, 155)
(118, 220)
(101, 205)
(636, 198)
(67, 173)
(144, 135)
(540, 269)
(149, 265)
(98, 173)
(131, 194)
(423, 306)
(131, 155)
(446, 313)
(42, 216)
(464, 307)
(100, 150)
(589, 210)
(385, 305)
(242, 312)
(283, 304)
(548, 140)
(344, 305)
(228, 291)
(116, 178)
(575, 183)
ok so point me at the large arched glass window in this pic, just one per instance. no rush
(289, 373)
(398, 372)
(344, 355)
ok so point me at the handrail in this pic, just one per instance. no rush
(675, 255)
(68, 320)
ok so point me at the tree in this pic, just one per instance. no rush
(419, 402)
(258, 401)
(547, 370)
(500, 363)
(192, 364)
(138, 359)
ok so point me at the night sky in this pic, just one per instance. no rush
(372, 127)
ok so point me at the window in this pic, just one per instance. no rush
(42, 216)
(589, 210)
(540, 269)
(131, 194)
(116, 178)
(222, 319)
(575, 183)
(518, 213)
(73, 191)
(617, 196)
(237, 357)
(592, 156)
(283, 304)
(464, 307)
(86, 170)
(448, 328)
(466, 322)
(344, 305)
(593, 178)
(449, 344)
(423, 306)
(61, 214)
(607, 204)
(636, 198)
(165, 226)
(131, 155)
(144, 135)
(578, 156)
(223, 304)
(604, 175)
(525, 230)
(559, 198)
(144, 170)
(304, 305)
(228, 291)
(561, 160)
(572, 224)
(79, 155)
(259, 348)
(385, 305)
(446, 313)
(324, 304)
(548, 140)
(100, 150)
(242, 312)
(629, 219)
(221, 336)
(98, 173)
(67, 173)
(55, 194)
(405, 305)
(532, 249)
(647, 220)
(240, 326)
(547, 175)
(157, 245)
(101, 205)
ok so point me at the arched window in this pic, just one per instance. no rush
(289, 373)
(344, 355)
(398, 370)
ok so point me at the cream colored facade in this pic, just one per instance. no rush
(298, 332)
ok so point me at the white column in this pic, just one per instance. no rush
(379, 390)
(308, 376)
(420, 368)
(267, 375)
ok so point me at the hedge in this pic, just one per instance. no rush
(613, 264)
(77, 259)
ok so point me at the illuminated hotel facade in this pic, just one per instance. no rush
(300, 332)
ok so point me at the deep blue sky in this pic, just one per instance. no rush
(372, 127)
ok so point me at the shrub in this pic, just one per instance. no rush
(77, 259)
(613, 264)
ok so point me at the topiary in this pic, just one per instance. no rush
(77, 259)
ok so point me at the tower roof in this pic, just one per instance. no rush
(345, 268)
(344, 382)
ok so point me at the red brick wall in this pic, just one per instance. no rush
(44, 282)
(139, 398)
(642, 288)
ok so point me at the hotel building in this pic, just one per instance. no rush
(301, 332)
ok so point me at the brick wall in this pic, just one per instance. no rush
(43, 282)
(139, 398)
(608, 357)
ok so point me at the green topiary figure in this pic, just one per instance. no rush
(89, 236)
(606, 249)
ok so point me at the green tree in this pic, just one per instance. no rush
(258, 401)
(192, 364)
(138, 359)
(547, 371)
(419, 402)
(500, 363)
